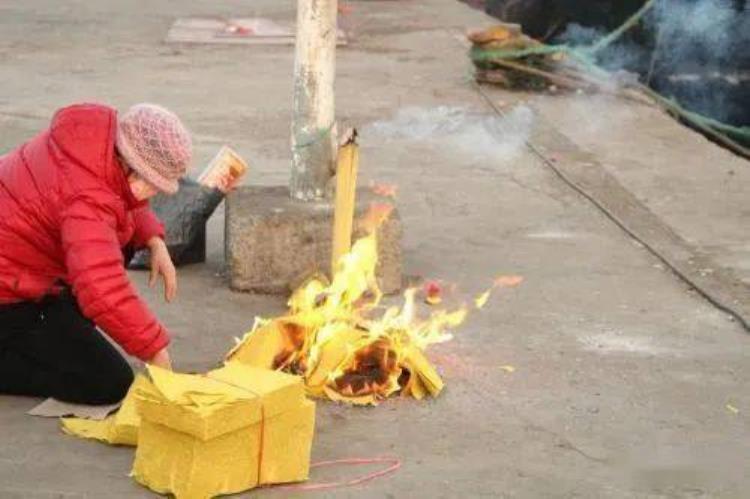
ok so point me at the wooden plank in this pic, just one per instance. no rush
(346, 186)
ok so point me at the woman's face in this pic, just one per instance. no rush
(141, 189)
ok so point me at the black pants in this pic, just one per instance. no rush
(49, 349)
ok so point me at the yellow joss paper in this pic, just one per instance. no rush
(481, 300)
(328, 356)
(260, 346)
(120, 428)
(369, 399)
(226, 432)
(288, 420)
(419, 366)
(415, 388)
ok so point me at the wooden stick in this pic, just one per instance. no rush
(346, 190)
(603, 86)
(560, 80)
(574, 79)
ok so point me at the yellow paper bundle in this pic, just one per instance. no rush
(226, 432)
(269, 346)
(424, 378)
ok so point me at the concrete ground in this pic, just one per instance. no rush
(697, 189)
(623, 374)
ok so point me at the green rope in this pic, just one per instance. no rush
(723, 132)
(617, 34)
(738, 132)
(481, 55)
(317, 137)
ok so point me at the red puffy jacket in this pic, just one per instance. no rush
(66, 212)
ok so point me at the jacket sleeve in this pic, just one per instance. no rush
(147, 226)
(95, 270)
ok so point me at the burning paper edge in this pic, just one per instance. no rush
(319, 378)
(258, 322)
(504, 281)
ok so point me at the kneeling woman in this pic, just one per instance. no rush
(73, 203)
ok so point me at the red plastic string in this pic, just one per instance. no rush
(393, 462)
(262, 442)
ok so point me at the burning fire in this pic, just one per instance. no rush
(344, 343)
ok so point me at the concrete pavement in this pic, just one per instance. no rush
(622, 374)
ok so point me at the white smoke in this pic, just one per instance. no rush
(458, 129)
(623, 55)
(698, 38)
(694, 38)
(708, 28)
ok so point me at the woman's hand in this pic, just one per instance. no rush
(227, 183)
(161, 264)
(161, 359)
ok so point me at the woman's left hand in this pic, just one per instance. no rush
(161, 264)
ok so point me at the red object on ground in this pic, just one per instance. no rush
(238, 29)
(67, 212)
(433, 292)
(385, 190)
(393, 465)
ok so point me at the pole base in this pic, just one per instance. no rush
(273, 242)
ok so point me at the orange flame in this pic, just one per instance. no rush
(344, 343)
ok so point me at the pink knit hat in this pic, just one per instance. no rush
(155, 144)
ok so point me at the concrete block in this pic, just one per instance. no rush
(273, 241)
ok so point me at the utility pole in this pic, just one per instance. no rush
(313, 119)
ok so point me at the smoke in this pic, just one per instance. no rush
(679, 38)
(625, 55)
(707, 31)
(459, 130)
(701, 38)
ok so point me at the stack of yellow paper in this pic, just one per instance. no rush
(226, 432)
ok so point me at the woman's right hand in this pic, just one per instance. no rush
(161, 359)
(161, 264)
